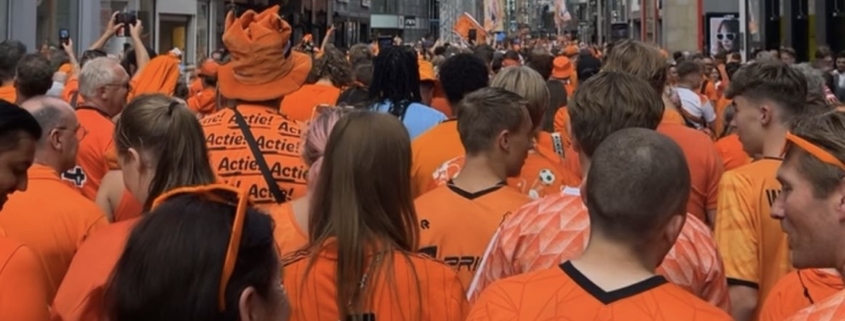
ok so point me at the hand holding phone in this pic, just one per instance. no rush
(64, 36)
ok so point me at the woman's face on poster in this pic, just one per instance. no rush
(726, 37)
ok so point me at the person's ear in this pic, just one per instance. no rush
(503, 140)
(54, 138)
(248, 305)
(839, 197)
(134, 159)
(673, 228)
(766, 114)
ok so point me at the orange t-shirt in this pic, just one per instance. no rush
(128, 208)
(752, 242)
(54, 229)
(456, 225)
(672, 116)
(730, 149)
(430, 150)
(546, 232)
(81, 295)
(831, 309)
(23, 285)
(195, 87)
(204, 102)
(798, 290)
(288, 234)
(91, 160)
(439, 101)
(705, 167)
(393, 292)
(299, 105)
(279, 140)
(72, 88)
(721, 105)
(564, 293)
(8, 93)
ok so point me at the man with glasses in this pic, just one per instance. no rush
(104, 86)
(52, 228)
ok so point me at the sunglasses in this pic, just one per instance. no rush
(222, 194)
(723, 35)
(814, 150)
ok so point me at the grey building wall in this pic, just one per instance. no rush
(720, 6)
(392, 14)
(680, 30)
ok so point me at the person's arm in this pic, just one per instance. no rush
(141, 56)
(108, 196)
(111, 29)
(68, 48)
(326, 39)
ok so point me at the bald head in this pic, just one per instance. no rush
(622, 164)
(51, 113)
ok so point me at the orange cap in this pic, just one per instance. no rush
(262, 65)
(209, 68)
(426, 71)
(562, 68)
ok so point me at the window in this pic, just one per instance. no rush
(4, 19)
(53, 15)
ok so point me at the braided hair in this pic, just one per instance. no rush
(396, 77)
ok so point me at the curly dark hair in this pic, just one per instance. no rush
(334, 65)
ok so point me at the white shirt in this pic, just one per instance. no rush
(692, 103)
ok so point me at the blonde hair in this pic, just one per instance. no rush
(529, 84)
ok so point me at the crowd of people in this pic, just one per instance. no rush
(542, 179)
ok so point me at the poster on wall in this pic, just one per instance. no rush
(723, 33)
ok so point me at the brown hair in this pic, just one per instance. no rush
(827, 131)
(167, 131)
(641, 60)
(652, 171)
(363, 201)
(773, 81)
(527, 83)
(609, 102)
(333, 65)
(485, 113)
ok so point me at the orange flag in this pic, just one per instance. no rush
(465, 23)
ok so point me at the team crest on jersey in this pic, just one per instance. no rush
(75, 175)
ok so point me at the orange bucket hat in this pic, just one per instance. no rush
(562, 68)
(262, 65)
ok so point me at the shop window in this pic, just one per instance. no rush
(53, 15)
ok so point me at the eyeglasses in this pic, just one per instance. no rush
(81, 132)
(814, 150)
(723, 35)
(222, 194)
(125, 85)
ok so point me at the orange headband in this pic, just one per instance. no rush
(237, 226)
(814, 150)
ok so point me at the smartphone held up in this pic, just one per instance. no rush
(123, 20)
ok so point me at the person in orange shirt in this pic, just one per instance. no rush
(205, 247)
(34, 77)
(459, 75)
(329, 74)
(53, 229)
(729, 146)
(23, 283)
(253, 145)
(798, 290)
(104, 85)
(362, 254)
(554, 229)
(160, 147)
(291, 218)
(809, 208)
(645, 62)
(543, 172)
(11, 51)
(428, 82)
(205, 102)
(630, 234)
(70, 93)
(768, 96)
(458, 219)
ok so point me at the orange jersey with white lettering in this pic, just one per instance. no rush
(546, 232)
(752, 242)
(279, 140)
(455, 225)
(564, 293)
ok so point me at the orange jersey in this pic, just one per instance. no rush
(563, 293)
(8, 93)
(204, 102)
(23, 285)
(81, 295)
(54, 229)
(279, 140)
(546, 232)
(299, 105)
(562, 125)
(91, 160)
(441, 296)
(439, 101)
(290, 237)
(830, 309)
(672, 116)
(430, 150)
(71, 90)
(730, 149)
(752, 242)
(705, 167)
(798, 290)
(128, 207)
(720, 106)
(455, 225)
(195, 87)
